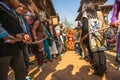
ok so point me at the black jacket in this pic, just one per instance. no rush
(11, 24)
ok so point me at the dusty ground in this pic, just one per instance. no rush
(71, 67)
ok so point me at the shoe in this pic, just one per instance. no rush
(51, 60)
(62, 54)
(28, 78)
(45, 61)
(59, 56)
(99, 73)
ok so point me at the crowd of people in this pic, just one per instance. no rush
(94, 38)
(22, 35)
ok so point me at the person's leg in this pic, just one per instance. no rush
(102, 58)
(49, 54)
(80, 50)
(29, 49)
(18, 66)
(63, 48)
(118, 61)
(117, 58)
(73, 47)
(40, 58)
(102, 62)
(59, 49)
(69, 45)
(96, 61)
(76, 48)
(84, 52)
(26, 57)
(90, 54)
(47, 49)
(4, 67)
(58, 46)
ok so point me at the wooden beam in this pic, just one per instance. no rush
(98, 1)
(106, 8)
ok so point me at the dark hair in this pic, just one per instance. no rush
(35, 18)
(4, 0)
(89, 7)
(91, 13)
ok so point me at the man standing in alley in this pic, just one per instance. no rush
(77, 37)
(10, 53)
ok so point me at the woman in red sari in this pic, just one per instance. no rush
(70, 42)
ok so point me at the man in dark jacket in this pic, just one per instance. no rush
(4, 35)
(11, 54)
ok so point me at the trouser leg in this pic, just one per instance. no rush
(102, 61)
(40, 57)
(96, 60)
(18, 65)
(49, 54)
(90, 53)
(84, 52)
(26, 57)
(4, 67)
(76, 48)
(102, 58)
